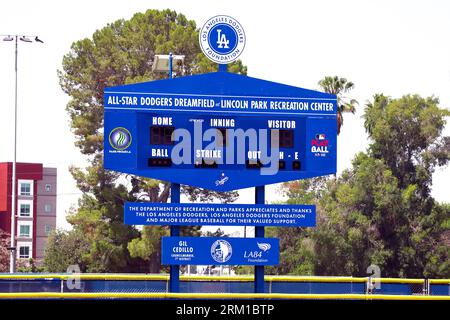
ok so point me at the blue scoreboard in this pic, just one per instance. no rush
(220, 131)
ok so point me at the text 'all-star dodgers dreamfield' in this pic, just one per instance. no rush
(220, 131)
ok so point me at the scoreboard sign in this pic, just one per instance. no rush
(219, 131)
(190, 214)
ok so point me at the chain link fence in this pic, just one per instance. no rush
(159, 284)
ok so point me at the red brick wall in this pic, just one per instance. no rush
(27, 171)
(5, 196)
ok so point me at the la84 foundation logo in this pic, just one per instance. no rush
(222, 39)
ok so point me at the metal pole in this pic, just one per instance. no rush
(13, 249)
(12, 258)
(170, 65)
(223, 67)
(259, 233)
(174, 284)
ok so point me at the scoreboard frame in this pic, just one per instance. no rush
(139, 118)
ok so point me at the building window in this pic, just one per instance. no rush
(25, 208)
(26, 187)
(24, 252)
(48, 187)
(48, 229)
(48, 208)
(24, 231)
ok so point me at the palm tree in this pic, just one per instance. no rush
(338, 86)
(372, 111)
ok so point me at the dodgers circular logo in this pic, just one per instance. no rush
(120, 138)
(222, 39)
(221, 251)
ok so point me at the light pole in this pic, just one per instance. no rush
(12, 257)
(165, 63)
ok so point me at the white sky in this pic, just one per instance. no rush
(390, 47)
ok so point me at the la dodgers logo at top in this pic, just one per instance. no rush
(222, 39)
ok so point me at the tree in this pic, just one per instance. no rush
(148, 246)
(339, 86)
(309, 191)
(380, 211)
(65, 249)
(122, 53)
(28, 266)
(218, 233)
(406, 134)
(5, 240)
(195, 194)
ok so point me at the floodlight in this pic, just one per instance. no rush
(25, 39)
(161, 62)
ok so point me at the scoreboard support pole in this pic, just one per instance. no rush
(222, 67)
(174, 282)
(170, 65)
(259, 232)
